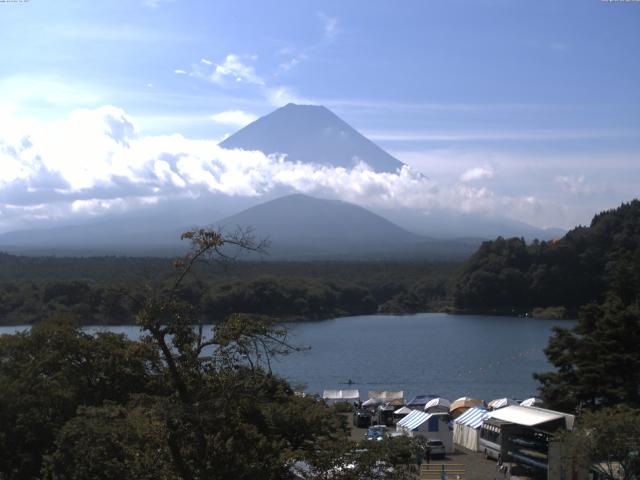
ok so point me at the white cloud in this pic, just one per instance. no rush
(279, 96)
(292, 62)
(329, 26)
(575, 184)
(477, 173)
(95, 161)
(235, 118)
(234, 69)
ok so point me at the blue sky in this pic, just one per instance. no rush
(529, 109)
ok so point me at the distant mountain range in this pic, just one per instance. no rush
(442, 223)
(311, 134)
(298, 226)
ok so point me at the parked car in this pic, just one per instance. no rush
(377, 432)
(361, 418)
(436, 446)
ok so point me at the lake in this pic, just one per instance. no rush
(449, 355)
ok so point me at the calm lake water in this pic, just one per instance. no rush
(449, 355)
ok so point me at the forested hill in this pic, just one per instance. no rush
(585, 265)
(35, 288)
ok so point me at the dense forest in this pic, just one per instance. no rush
(503, 276)
(507, 275)
(106, 290)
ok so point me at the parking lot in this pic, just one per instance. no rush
(475, 466)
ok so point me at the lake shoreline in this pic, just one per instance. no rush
(298, 320)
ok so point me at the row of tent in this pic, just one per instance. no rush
(466, 427)
(375, 397)
(428, 403)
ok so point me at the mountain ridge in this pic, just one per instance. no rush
(302, 226)
(298, 226)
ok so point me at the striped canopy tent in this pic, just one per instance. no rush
(501, 402)
(437, 405)
(461, 405)
(466, 428)
(532, 402)
(428, 425)
(413, 421)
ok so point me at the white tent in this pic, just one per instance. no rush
(372, 402)
(429, 425)
(386, 396)
(532, 402)
(403, 411)
(500, 403)
(466, 428)
(437, 405)
(533, 417)
(334, 396)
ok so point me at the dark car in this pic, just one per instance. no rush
(361, 418)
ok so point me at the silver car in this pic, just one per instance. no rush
(436, 447)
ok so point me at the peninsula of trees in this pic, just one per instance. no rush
(507, 275)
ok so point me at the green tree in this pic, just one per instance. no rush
(226, 415)
(389, 459)
(108, 442)
(47, 373)
(597, 362)
(607, 441)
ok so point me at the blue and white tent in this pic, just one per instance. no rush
(428, 425)
(419, 401)
(466, 428)
(413, 421)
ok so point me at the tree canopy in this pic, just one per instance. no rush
(579, 268)
(597, 362)
(607, 441)
(35, 288)
(187, 401)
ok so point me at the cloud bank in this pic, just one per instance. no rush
(96, 161)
